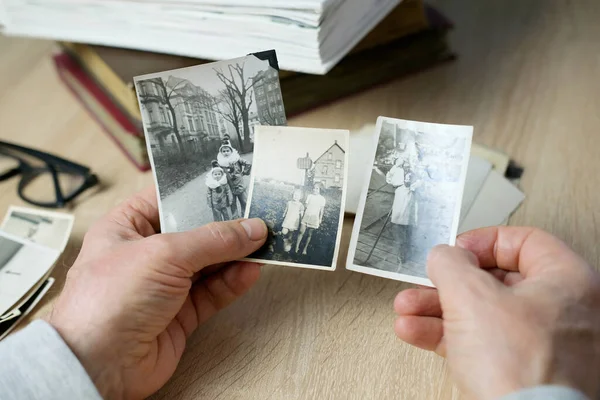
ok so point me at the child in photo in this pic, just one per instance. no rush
(235, 169)
(291, 219)
(313, 216)
(404, 214)
(219, 195)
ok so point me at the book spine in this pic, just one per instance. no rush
(67, 69)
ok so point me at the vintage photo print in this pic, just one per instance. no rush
(412, 200)
(24, 308)
(22, 265)
(298, 188)
(199, 125)
(49, 229)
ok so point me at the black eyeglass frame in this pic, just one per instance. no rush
(53, 165)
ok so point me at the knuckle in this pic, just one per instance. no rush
(159, 247)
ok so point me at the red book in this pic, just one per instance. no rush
(127, 135)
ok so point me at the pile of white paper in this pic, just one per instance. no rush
(30, 243)
(308, 35)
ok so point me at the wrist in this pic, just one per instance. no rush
(96, 358)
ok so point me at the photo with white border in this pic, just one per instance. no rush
(298, 187)
(412, 200)
(50, 229)
(22, 265)
(199, 127)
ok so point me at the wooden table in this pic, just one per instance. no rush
(528, 79)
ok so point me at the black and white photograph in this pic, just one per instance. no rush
(299, 188)
(199, 126)
(22, 265)
(47, 228)
(412, 200)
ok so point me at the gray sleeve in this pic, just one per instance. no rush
(546, 393)
(38, 364)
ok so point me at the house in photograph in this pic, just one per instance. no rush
(155, 113)
(195, 111)
(267, 93)
(195, 108)
(329, 167)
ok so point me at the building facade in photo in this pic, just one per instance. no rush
(329, 167)
(196, 112)
(267, 93)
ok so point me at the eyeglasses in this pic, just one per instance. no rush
(46, 180)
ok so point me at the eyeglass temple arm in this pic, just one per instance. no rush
(45, 156)
(10, 173)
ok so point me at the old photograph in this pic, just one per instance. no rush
(22, 265)
(24, 308)
(298, 188)
(199, 126)
(412, 200)
(49, 229)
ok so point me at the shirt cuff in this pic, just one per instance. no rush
(546, 393)
(38, 364)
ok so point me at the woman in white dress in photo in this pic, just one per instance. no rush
(405, 208)
(313, 216)
(292, 215)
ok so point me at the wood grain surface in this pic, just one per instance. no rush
(527, 78)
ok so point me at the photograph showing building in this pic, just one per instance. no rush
(199, 125)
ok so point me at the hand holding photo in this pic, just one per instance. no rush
(298, 188)
(412, 201)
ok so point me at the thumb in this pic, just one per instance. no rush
(210, 244)
(456, 274)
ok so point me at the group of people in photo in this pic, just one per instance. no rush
(226, 184)
(302, 219)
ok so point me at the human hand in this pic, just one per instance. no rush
(513, 308)
(132, 297)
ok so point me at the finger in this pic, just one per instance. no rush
(423, 332)
(137, 217)
(509, 278)
(222, 288)
(207, 271)
(456, 274)
(526, 250)
(211, 244)
(419, 302)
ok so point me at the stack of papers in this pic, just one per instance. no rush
(30, 243)
(489, 198)
(309, 36)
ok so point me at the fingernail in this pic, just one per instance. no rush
(255, 228)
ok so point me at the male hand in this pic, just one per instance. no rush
(133, 297)
(513, 308)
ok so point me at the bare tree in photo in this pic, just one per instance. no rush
(165, 99)
(231, 112)
(240, 89)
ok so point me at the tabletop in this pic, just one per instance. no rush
(527, 78)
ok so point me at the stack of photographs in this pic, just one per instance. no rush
(30, 243)
(203, 124)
